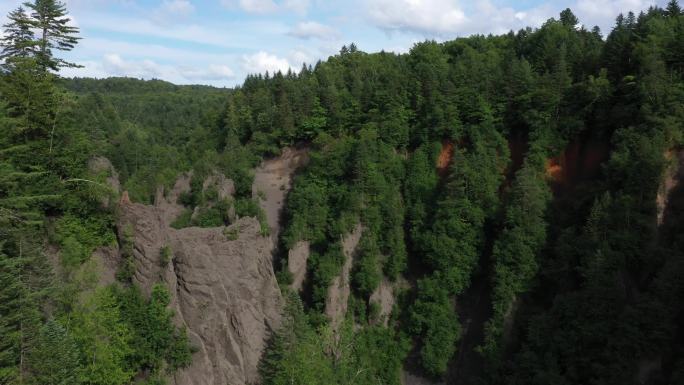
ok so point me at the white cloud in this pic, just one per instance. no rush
(262, 61)
(170, 12)
(448, 19)
(116, 65)
(113, 64)
(268, 6)
(604, 12)
(313, 29)
(258, 6)
(177, 7)
(213, 72)
(299, 6)
(431, 16)
(300, 56)
(233, 34)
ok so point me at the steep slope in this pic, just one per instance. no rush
(272, 181)
(339, 290)
(221, 279)
(223, 289)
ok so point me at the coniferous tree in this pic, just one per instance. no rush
(11, 293)
(50, 18)
(568, 18)
(19, 40)
(673, 9)
(54, 360)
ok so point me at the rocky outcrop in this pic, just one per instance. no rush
(297, 258)
(338, 293)
(166, 202)
(221, 281)
(108, 260)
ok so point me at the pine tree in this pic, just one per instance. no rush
(568, 18)
(19, 312)
(19, 40)
(11, 292)
(54, 360)
(673, 9)
(50, 18)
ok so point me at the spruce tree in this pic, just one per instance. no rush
(19, 40)
(673, 9)
(55, 358)
(568, 18)
(50, 18)
(11, 292)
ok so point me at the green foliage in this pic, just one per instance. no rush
(165, 256)
(78, 237)
(127, 265)
(215, 215)
(515, 251)
(300, 354)
(247, 207)
(583, 267)
(47, 194)
(366, 274)
(158, 343)
(325, 268)
(183, 220)
(55, 357)
(50, 18)
(433, 317)
(105, 342)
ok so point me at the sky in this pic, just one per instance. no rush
(219, 42)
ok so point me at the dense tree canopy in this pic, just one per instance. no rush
(524, 170)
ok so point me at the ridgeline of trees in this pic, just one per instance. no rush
(585, 286)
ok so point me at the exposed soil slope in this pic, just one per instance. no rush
(223, 289)
(272, 181)
(445, 157)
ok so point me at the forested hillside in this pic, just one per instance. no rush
(517, 200)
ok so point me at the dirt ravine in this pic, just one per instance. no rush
(272, 181)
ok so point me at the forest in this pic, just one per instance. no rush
(509, 187)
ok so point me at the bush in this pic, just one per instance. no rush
(165, 256)
(247, 207)
(183, 220)
(78, 237)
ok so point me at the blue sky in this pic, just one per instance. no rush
(219, 42)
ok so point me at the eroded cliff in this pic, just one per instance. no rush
(222, 284)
